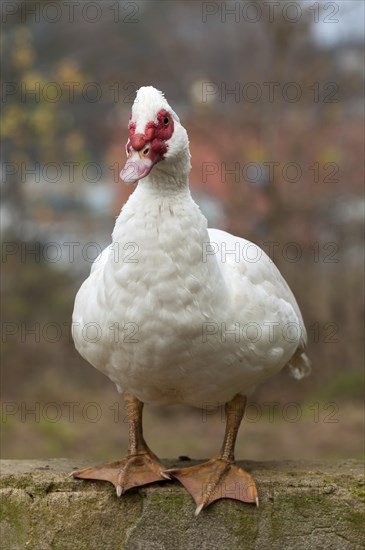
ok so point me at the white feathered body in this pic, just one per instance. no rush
(172, 319)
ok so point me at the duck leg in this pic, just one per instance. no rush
(220, 477)
(140, 467)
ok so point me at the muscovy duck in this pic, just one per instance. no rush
(174, 312)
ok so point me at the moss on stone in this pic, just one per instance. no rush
(13, 517)
(358, 490)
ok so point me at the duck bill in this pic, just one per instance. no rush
(136, 167)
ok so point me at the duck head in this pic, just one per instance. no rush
(157, 141)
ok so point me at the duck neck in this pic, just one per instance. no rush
(167, 227)
(171, 178)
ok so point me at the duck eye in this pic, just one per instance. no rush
(166, 120)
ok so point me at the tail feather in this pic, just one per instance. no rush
(299, 365)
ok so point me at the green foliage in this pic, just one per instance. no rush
(344, 385)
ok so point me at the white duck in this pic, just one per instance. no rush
(173, 312)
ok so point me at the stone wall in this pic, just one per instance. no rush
(303, 505)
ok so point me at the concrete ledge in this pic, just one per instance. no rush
(303, 505)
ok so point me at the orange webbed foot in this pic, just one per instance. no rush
(133, 471)
(218, 478)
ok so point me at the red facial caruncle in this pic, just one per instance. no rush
(146, 150)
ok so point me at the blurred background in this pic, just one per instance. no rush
(272, 97)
